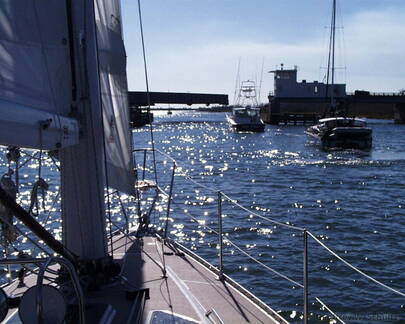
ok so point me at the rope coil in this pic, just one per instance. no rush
(40, 187)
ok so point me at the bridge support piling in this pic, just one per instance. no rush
(399, 113)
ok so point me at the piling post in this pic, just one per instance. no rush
(306, 304)
(220, 238)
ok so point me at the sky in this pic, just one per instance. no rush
(195, 45)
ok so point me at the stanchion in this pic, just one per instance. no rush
(169, 200)
(306, 304)
(220, 238)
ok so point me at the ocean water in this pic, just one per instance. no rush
(352, 201)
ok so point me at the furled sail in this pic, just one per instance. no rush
(114, 95)
(35, 75)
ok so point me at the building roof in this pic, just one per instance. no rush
(283, 70)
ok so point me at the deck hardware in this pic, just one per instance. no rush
(213, 316)
(4, 304)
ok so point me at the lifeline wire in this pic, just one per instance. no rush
(260, 216)
(291, 227)
(329, 310)
(354, 268)
(263, 265)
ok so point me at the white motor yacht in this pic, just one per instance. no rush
(246, 120)
(342, 133)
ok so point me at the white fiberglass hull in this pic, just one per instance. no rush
(245, 125)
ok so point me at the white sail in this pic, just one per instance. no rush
(35, 75)
(114, 95)
(36, 81)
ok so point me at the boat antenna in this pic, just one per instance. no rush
(145, 65)
(237, 81)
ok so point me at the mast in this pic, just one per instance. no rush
(82, 171)
(261, 81)
(333, 34)
(237, 85)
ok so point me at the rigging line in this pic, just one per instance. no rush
(124, 212)
(198, 221)
(166, 155)
(55, 199)
(329, 62)
(333, 47)
(157, 250)
(342, 40)
(260, 216)
(30, 157)
(199, 184)
(263, 265)
(27, 237)
(137, 192)
(354, 268)
(147, 90)
(329, 310)
(55, 163)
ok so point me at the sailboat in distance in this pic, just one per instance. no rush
(63, 94)
(336, 130)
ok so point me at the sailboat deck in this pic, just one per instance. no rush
(189, 289)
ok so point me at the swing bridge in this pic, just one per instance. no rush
(143, 99)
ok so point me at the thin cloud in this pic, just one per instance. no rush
(374, 50)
